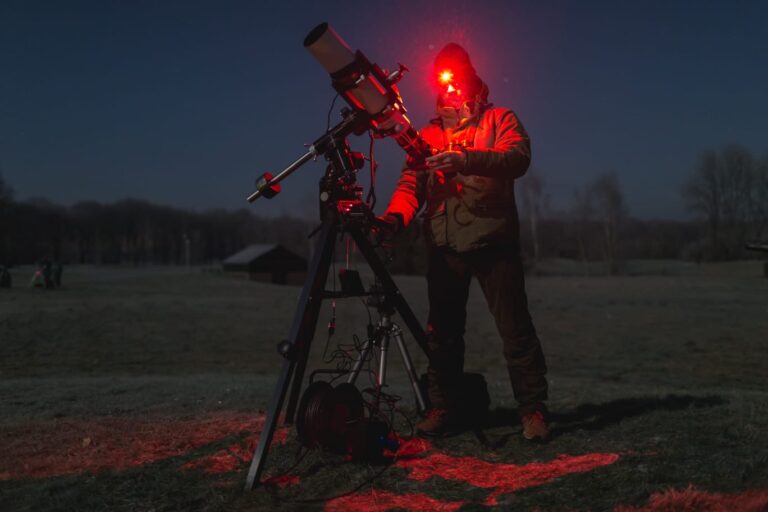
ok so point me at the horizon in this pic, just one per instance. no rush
(548, 212)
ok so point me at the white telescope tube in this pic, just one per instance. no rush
(334, 54)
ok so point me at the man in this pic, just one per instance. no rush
(472, 228)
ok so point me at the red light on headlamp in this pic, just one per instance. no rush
(448, 83)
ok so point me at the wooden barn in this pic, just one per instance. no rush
(267, 262)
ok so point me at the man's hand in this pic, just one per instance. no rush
(448, 161)
(387, 227)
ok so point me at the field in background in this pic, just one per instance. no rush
(144, 389)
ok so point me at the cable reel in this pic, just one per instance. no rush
(334, 419)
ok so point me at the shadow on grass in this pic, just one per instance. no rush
(596, 417)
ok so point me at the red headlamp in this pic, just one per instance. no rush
(445, 77)
(449, 88)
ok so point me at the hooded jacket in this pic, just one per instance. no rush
(474, 208)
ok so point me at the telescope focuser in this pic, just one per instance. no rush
(397, 75)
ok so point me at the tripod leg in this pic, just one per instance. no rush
(265, 438)
(301, 335)
(360, 361)
(398, 334)
(383, 359)
(303, 330)
(391, 288)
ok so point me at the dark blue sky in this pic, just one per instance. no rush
(185, 103)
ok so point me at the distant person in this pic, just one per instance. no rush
(43, 277)
(472, 229)
(58, 270)
(5, 277)
(38, 281)
(48, 273)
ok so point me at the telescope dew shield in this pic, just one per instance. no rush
(335, 56)
(366, 88)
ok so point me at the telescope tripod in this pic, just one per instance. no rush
(339, 216)
(382, 333)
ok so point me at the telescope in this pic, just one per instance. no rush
(327, 416)
(372, 96)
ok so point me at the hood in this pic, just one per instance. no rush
(456, 59)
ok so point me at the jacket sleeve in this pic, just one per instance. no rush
(511, 152)
(408, 196)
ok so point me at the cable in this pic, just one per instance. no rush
(332, 323)
(368, 310)
(369, 480)
(371, 197)
(328, 126)
(298, 458)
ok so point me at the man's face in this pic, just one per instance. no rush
(450, 88)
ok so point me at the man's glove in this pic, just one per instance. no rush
(388, 226)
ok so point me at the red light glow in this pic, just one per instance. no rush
(282, 481)
(75, 446)
(502, 478)
(418, 457)
(379, 501)
(446, 77)
(755, 500)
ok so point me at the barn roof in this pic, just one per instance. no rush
(250, 253)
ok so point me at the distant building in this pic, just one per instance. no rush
(267, 262)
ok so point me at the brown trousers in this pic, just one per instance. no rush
(500, 274)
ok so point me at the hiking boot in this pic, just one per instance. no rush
(437, 422)
(535, 427)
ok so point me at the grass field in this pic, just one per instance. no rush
(145, 390)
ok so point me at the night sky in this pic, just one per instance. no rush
(186, 103)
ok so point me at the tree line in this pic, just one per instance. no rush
(133, 232)
(727, 193)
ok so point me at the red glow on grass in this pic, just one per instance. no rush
(410, 448)
(379, 501)
(282, 481)
(234, 456)
(502, 478)
(414, 455)
(45, 449)
(755, 500)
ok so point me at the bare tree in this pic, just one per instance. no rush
(6, 192)
(702, 194)
(759, 212)
(737, 177)
(582, 211)
(6, 201)
(534, 202)
(728, 190)
(610, 212)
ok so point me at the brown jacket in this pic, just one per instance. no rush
(475, 208)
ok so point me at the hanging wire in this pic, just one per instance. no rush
(371, 197)
(330, 110)
(332, 322)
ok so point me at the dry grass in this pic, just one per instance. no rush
(144, 389)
